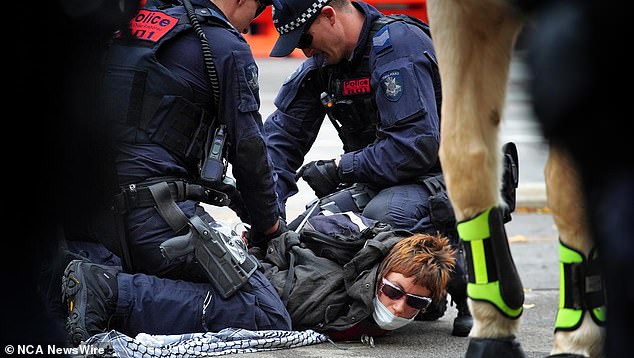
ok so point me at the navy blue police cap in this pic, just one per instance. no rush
(291, 18)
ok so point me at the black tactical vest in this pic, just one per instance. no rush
(349, 101)
(349, 98)
(143, 99)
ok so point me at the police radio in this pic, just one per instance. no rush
(214, 166)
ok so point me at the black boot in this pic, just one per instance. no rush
(463, 322)
(457, 288)
(90, 293)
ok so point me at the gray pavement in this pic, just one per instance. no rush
(533, 236)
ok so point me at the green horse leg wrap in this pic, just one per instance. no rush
(580, 289)
(492, 274)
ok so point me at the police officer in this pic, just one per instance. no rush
(180, 87)
(377, 81)
(378, 88)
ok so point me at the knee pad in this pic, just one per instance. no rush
(580, 288)
(492, 274)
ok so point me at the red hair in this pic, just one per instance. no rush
(428, 259)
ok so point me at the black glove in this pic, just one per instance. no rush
(235, 199)
(321, 175)
(261, 240)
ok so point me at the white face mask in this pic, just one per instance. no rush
(386, 319)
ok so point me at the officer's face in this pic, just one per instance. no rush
(323, 36)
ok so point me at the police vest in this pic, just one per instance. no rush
(144, 101)
(349, 100)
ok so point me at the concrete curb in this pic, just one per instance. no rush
(531, 195)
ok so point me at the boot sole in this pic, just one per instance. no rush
(71, 286)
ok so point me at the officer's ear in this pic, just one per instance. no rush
(328, 13)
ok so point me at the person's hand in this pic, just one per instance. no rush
(277, 230)
(238, 206)
(261, 240)
(321, 175)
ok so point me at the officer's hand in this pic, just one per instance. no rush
(276, 231)
(321, 175)
(261, 240)
(237, 205)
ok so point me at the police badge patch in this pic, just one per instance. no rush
(251, 72)
(392, 85)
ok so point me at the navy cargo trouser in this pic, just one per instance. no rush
(153, 305)
(175, 297)
(402, 206)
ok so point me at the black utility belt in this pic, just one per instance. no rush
(140, 195)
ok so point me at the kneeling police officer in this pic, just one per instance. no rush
(180, 91)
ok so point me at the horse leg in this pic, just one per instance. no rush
(474, 42)
(576, 330)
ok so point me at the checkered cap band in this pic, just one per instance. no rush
(303, 18)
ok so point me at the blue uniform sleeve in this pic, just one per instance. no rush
(292, 129)
(408, 133)
(239, 108)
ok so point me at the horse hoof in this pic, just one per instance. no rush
(506, 347)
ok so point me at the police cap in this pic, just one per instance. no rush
(291, 18)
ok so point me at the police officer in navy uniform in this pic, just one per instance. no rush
(159, 96)
(378, 83)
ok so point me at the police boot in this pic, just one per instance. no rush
(457, 288)
(506, 347)
(50, 272)
(463, 322)
(90, 293)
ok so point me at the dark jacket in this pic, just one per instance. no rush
(320, 294)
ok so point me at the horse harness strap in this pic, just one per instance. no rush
(492, 274)
(581, 289)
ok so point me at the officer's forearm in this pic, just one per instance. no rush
(273, 228)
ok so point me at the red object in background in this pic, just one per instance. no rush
(262, 35)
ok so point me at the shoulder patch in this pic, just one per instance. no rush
(251, 73)
(392, 85)
(151, 25)
(381, 40)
